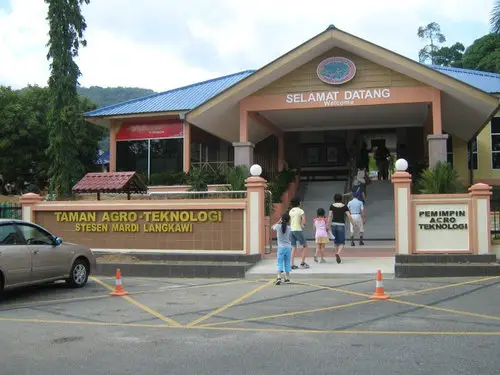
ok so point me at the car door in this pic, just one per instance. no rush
(15, 257)
(48, 261)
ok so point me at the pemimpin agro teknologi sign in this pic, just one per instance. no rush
(442, 227)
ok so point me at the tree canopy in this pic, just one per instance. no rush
(483, 54)
(66, 28)
(104, 96)
(432, 33)
(495, 18)
(24, 135)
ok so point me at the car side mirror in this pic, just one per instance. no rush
(58, 241)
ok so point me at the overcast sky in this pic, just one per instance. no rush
(163, 44)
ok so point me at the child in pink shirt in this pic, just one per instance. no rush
(321, 235)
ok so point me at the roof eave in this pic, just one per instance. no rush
(334, 37)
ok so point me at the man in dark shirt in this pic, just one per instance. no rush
(382, 156)
(337, 218)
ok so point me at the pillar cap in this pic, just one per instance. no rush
(440, 137)
(255, 182)
(401, 177)
(480, 189)
(30, 198)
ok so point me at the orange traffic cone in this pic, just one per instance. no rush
(119, 291)
(379, 288)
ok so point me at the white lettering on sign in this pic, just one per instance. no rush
(338, 98)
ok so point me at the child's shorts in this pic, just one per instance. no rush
(322, 240)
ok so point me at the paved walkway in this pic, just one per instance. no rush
(350, 266)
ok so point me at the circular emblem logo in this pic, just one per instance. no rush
(336, 70)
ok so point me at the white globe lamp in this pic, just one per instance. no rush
(256, 170)
(401, 165)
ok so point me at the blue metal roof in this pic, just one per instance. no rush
(189, 97)
(182, 98)
(488, 82)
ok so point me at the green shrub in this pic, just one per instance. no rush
(236, 177)
(198, 179)
(215, 177)
(442, 179)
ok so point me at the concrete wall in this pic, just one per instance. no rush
(484, 173)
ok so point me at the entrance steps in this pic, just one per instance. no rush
(446, 265)
(379, 206)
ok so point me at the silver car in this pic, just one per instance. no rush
(29, 255)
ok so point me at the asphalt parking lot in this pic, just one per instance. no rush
(312, 326)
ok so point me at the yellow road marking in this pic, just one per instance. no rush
(293, 313)
(232, 303)
(452, 311)
(349, 332)
(445, 286)
(334, 289)
(141, 306)
(265, 330)
(8, 307)
(170, 288)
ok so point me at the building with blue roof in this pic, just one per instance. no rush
(309, 109)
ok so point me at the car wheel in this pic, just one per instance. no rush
(79, 274)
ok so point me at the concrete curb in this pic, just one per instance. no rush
(234, 270)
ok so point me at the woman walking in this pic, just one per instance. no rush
(283, 256)
(337, 218)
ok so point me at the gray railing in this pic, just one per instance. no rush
(213, 166)
(10, 210)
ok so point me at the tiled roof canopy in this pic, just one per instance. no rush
(180, 99)
(488, 82)
(110, 182)
(189, 97)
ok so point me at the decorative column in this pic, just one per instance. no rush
(480, 195)
(437, 140)
(402, 204)
(28, 201)
(243, 153)
(112, 145)
(255, 220)
(437, 148)
(243, 150)
(186, 146)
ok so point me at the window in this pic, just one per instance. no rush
(449, 149)
(495, 143)
(9, 235)
(35, 236)
(150, 156)
(166, 155)
(472, 154)
(132, 156)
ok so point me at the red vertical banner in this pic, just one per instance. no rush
(129, 132)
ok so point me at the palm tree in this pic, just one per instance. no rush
(495, 18)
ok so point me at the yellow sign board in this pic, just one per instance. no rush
(133, 221)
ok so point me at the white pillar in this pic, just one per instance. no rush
(402, 195)
(480, 194)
